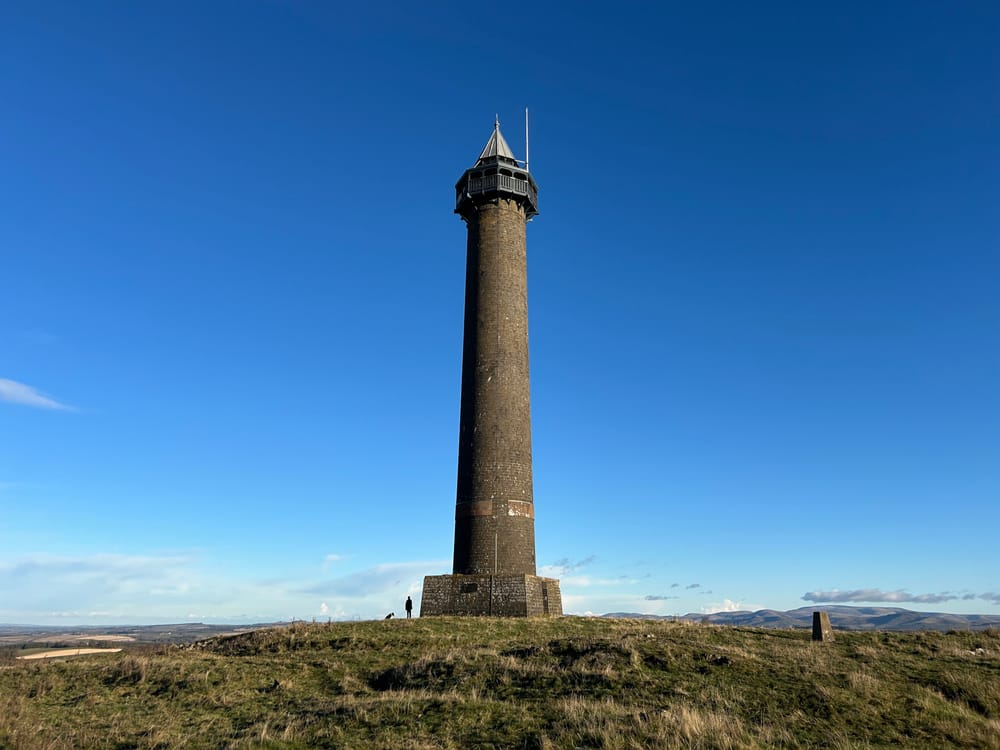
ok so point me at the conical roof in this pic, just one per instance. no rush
(496, 146)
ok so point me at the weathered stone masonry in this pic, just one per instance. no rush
(494, 556)
(494, 514)
(497, 596)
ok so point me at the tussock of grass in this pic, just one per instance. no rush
(560, 683)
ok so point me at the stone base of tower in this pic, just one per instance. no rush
(490, 596)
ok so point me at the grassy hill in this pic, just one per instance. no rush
(560, 683)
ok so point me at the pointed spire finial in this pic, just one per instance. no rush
(496, 146)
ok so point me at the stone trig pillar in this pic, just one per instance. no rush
(822, 630)
(494, 561)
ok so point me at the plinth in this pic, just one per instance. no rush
(491, 596)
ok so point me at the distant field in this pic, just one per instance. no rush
(556, 683)
(60, 653)
(109, 638)
(21, 635)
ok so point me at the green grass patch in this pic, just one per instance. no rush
(548, 683)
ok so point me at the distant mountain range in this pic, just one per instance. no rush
(841, 617)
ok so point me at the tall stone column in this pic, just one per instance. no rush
(494, 564)
(494, 514)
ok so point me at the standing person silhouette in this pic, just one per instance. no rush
(409, 608)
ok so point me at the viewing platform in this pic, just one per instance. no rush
(500, 180)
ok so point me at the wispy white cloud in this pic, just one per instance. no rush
(878, 595)
(377, 579)
(46, 587)
(373, 591)
(565, 566)
(726, 605)
(82, 568)
(19, 393)
(136, 589)
(331, 559)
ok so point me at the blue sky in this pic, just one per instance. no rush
(762, 289)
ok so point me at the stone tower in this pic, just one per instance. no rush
(494, 564)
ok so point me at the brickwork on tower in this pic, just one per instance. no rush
(494, 556)
(494, 513)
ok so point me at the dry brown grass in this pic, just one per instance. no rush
(569, 683)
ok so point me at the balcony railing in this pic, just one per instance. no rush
(490, 183)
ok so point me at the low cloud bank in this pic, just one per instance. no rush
(893, 597)
(104, 589)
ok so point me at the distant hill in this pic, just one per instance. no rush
(841, 617)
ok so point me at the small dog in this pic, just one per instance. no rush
(389, 616)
